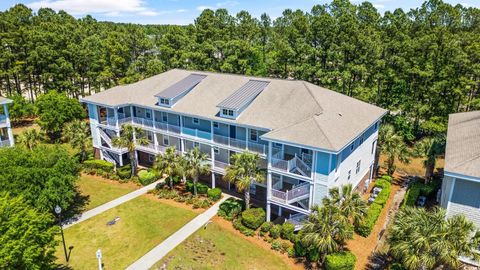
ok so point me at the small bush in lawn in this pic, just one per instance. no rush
(287, 230)
(340, 261)
(387, 178)
(214, 194)
(230, 208)
(97, 164)
(237, 224)
(275, 231)
(285, 247)
(266, 226)
(253, 218)
(201, 188)
(146, 177)
(291, 252)
(276, 245)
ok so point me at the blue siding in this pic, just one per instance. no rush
(221, 130)
(92, 111)
(334, 162)
(322, 163)
(203, 125)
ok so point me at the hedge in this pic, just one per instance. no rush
(416, 189)
(287, 230)
(146, 177)
(275, 231)
(253, 218)
(388, 178)
(214, 194)
(98, 164)
(124, 172)
(375, 209)
(340, 261)
(266, 226)
(238, 224)
(230, 208)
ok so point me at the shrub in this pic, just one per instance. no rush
(214, 194)
(266, 226)
(383, 196)
(124, 172)
(275, 231)
(287, 230)
(98, 164)
(230, 208)
(201, 188)
(291, 252)
(199, 202)
(238, 224)
(373, 212)
(382, 183)
(167, 194)
(416, 189)
(387, 178)
(276, 245)
(146, 177)
(285, 246)
(253, 218)
(340, 261)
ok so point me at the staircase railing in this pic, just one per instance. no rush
(298, 191)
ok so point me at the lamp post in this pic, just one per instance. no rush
(58, 211)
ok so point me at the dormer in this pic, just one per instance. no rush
(233, 105)
(169, 96)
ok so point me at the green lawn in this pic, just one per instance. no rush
(144, 223)
(100, 191)
(216, 248)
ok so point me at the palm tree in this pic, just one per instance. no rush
(422, 239)
(196, 163)
(129, 138)
(169, 163)
(429, 149)
(77, 133)
(30, 138)
(244, 172)
(327, 229)
(349, 203)
(393, 147)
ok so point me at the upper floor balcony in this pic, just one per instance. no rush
(293, 160)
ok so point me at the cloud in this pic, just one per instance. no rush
(106, 7)
(379, 6)
(201, 8)
(224, 4)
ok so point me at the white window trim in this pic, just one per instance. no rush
(196, 121)
(256, 135)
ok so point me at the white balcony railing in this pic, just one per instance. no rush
(3, 119)
(297, 220)
(220, 165)
(240, 144)
(108, 121)
(292, 195)
(290, 165)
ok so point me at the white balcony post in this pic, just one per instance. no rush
(182, 145)
(181, 124)
(269, 155)
(269, 185)
(314, 164)
(213, 180)
(310, 199)
(115, 114)
(9, 127)
(246, 137)
(268, 211)
(280, 210)
(131, 112)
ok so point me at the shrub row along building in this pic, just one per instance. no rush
(6, 135)
(309, 138)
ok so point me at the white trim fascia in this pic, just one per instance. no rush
(451, 194)
(462, 176)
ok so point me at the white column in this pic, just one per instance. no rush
(269, 185)
(212, 154)
(268, 211)
(181, 124)
(120, 160)
(115, 113)
(314, 164)
(182, 145)
(269, 154)
(9, 127)
(131, 111)
(280, 211)
(246, 136)
(310, 199)
(213, 180)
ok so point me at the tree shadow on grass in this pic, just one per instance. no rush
(78, 206)
(378, 261)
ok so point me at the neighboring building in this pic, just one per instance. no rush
(6, 135)
(461, 183)
(308, 137)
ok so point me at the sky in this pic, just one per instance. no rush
(185, 11)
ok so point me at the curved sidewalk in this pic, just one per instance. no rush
(158, 252)
(109, 205)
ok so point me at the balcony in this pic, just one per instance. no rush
(295, 194)
(108, 121)
(220, 166)
(240, 144)
(155, 149)
(298, 164)
(197, 133)
(297, 220)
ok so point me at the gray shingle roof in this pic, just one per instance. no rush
(244, 95)
(179, 88)
(462, 154)
(292, 111)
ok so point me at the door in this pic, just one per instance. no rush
(233, 132)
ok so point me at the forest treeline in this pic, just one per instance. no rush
(421, 65)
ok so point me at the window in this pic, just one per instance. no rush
(164, 101)
(166, 141)
(227, 112)
(164, 117)
(148, 115)
(253, 135)
(196, 121)
(196, 144)
(358, 167)
(215, 150)
(215, 124)
(349, 174)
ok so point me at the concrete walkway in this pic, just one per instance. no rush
(157, 253)
(109, 205)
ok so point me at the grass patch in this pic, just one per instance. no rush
(415, 167)
(100, 191)
(144, 223)
(217, 248)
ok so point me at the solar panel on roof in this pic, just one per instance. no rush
(244, 95)
(179, 88)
